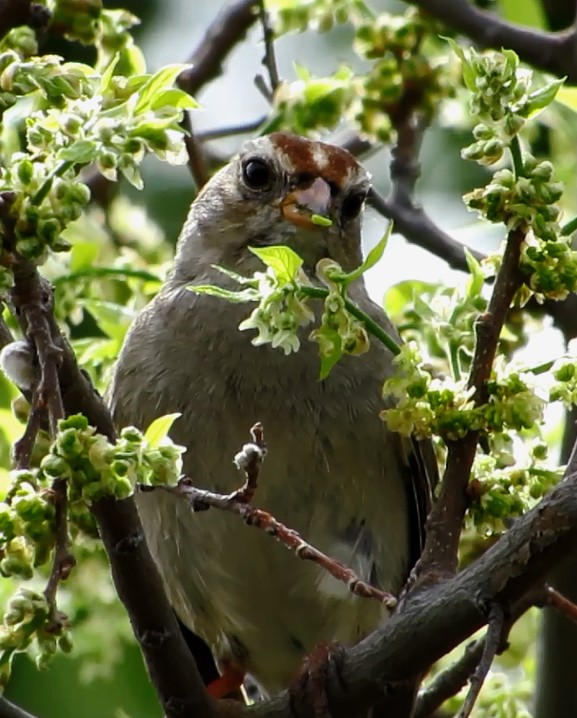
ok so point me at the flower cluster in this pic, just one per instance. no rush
(502, 490)
(564, 387)
(318, 15)
(425, 405)
(504, 98)
(26, 525)
(400, 72)
(96, 468)
(102, 120)
(442, 318)
(310, 102)
(279, 314)
(339, 331)
(28, 618)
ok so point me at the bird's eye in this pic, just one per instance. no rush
(352, 205)
(257, 174)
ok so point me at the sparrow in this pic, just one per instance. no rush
(333, 471)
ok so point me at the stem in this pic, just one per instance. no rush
(455, 361)
(43, 191)
(370, 325)
(517, 157)
(569, 228)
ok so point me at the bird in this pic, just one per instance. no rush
(333, 471)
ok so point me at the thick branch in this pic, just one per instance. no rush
(169, 662)
(223, 34)
(553, 52)
(446, 518)
(436, 619)
(418, 228)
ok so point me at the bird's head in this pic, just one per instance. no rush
(280, 189)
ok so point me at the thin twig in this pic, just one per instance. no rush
(250, 461)
(405, 165)
(418, 228)
(63, 561)
(560, 603)
(491, 647)
(200, 499)
(269, 59)
(196, 158)
(241, 129)
(450, 681)
(222, 35)
(446, 518)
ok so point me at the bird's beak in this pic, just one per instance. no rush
(302, 205)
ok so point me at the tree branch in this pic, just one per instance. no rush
(450, 681)
(553, 52)
(171, 666)
(9, 710)
(223, 34)
(445, 521)
(418, 228)
(434, 620)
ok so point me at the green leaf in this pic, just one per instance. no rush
(112, 319)
(83, 256)
(372, 258)
(567, 96)
(400, 295)
(477, 279)
(108, 74)
(544, 96)
(330, 349)
(161, 80)
(80, 152)
(158, 430)
(469, 72)
(175, 98)
(282, 260)
(239, 297)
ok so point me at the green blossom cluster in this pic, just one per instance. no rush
(564, 386)
(26, 525)
(339, 332)
(504, 97)
(283, 292)
(73, 116)
(55, 80)
(502, 490)
(318, 15)
(425, 405)
(107, 120)
(441, 318)
(28, 619)
(281, 307)
(96, 469)
(312, 102)
(401, 73)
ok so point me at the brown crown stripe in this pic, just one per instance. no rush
(304, 154)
